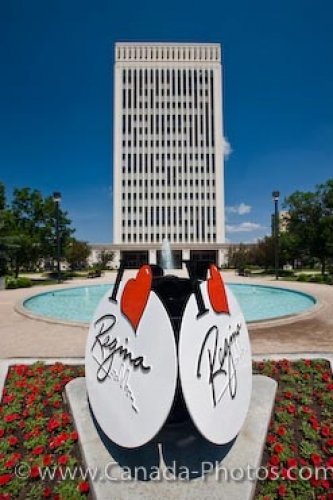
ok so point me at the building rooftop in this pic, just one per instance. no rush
(168, 51)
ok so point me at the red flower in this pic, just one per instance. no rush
(12, 440)
(329, 442)
(7, 399)
(38, 450)
(291, 409)
(84, 487)
(278, 448)
(34, 472)
(4, 479)
(306, 409)
(63, 459)
(65, 418)
(314, 422)
(281, 431)
(307, 474)
(329, 462)
(21, 369)
(2, 432)
(53, 424)
(74, 436)
(326, 377)
(292, 462)
(47, 460)
(59, 440)
(315, 483)
(325, 484)
(47, 492)
(288, 474)
(10, 463)
(272, 473)
(11, 417)
(325, 431)
(315, 459)
(275, 460)
(271, 438)
(282, 490)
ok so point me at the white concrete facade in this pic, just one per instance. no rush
(168, 172)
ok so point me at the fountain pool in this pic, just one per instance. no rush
(258, 302)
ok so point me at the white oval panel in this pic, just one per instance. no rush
(215, 368)
(131, 375)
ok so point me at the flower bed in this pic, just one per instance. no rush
(300, 437)
(37, 433)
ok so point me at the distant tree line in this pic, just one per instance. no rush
(28, 235)
(307, 239)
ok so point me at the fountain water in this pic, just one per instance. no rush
(167, 260)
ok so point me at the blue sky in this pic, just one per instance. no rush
(56, 62)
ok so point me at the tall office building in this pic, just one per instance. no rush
(168, 145)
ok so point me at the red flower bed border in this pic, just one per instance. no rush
(38, 435)
(37, 432)
(299, 444)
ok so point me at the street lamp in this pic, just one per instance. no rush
(57, 200)
(276, 196)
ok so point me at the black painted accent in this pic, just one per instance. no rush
(119, 277)
(195, 273)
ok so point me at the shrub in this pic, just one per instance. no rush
(252, 267)
(284, 273)
(316, 278)
(302, 277)
(12, 283)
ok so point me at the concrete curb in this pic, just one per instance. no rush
(246, 453)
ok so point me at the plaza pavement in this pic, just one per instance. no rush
(23, 336)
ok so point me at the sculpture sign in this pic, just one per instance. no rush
(215, 362)
(133, 360)
(131, 363)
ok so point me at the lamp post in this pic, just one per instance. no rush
(276, 196)
(57, 200)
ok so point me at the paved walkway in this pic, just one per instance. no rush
(21, 336)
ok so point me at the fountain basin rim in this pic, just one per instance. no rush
(258, 323)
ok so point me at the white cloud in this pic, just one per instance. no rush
(226, 146)
(240, 209)
(244, 227)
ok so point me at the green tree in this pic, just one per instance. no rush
(30, 229)
(262, 254)
(311, 222)
(77, 253)
(238, 257)
(104, 258)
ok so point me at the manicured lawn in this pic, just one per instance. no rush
(36, 430)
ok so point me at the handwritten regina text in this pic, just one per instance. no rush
(221, 354)
(107, 350)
